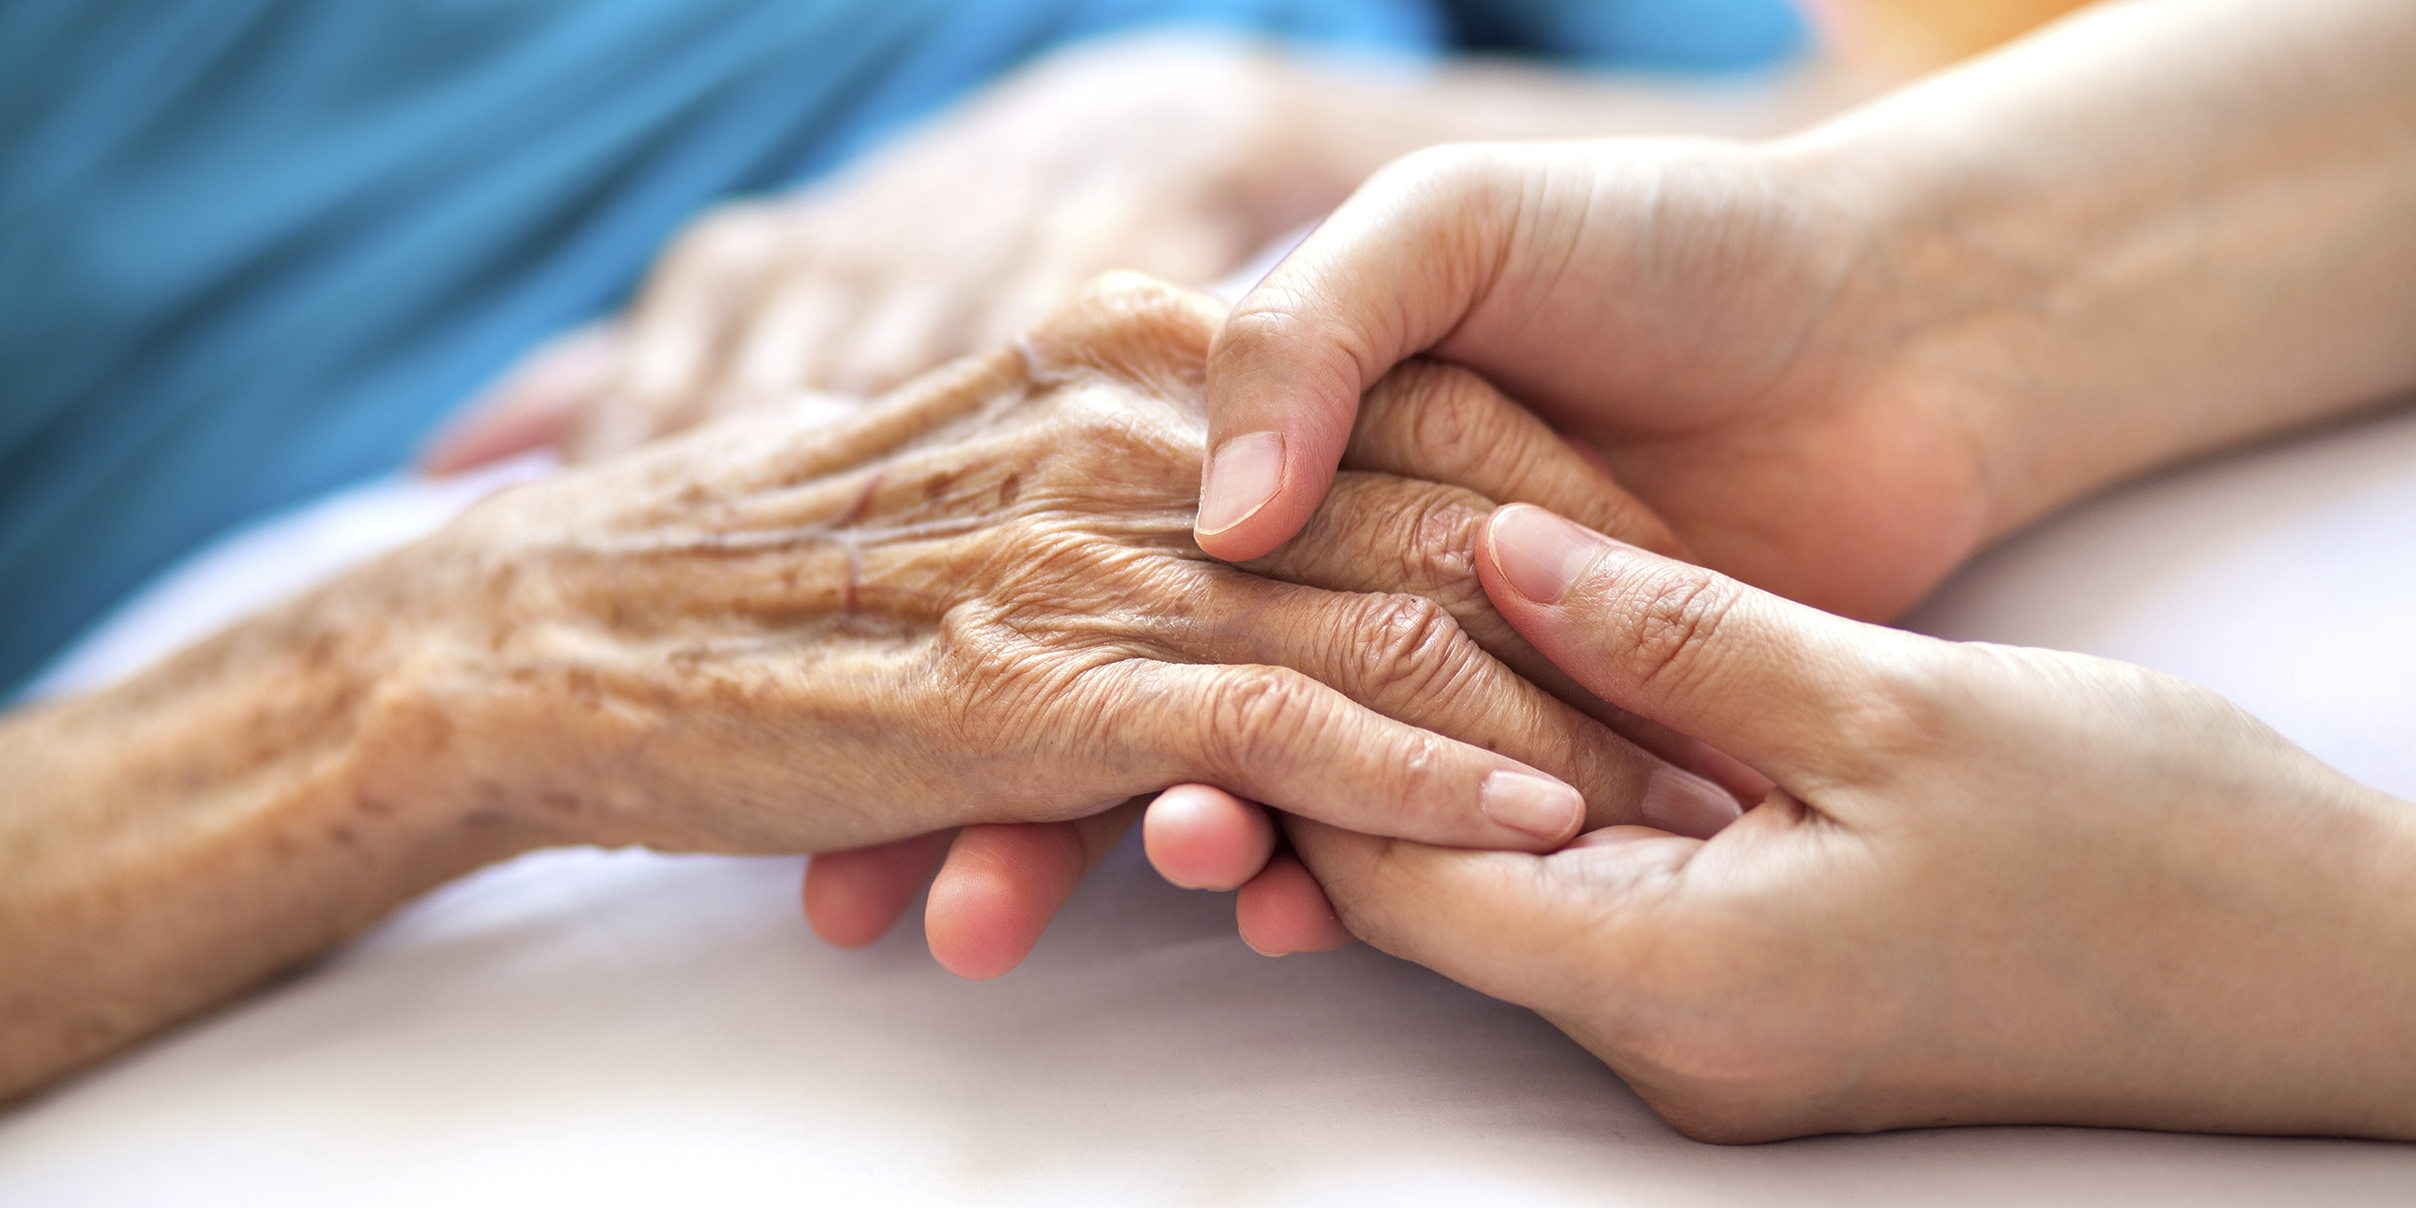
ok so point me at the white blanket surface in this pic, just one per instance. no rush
(606, 1028)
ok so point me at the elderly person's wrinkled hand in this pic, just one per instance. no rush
(975, 601)
(1172, 157)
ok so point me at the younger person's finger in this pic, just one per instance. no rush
(1003, 882)
(1283, 910)
(1205, 838)
(854, 897)
(1389, 274)
(1768, 680)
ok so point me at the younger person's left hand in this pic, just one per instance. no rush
(1992, 885)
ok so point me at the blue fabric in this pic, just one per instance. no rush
(251, 249)
(1667, 35)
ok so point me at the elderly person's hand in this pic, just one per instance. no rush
(1464, 446)
(1177, 156)
(975, 602)
(1993, 884)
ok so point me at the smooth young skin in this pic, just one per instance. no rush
(1993, 885)
(976, 602)
(1838, 363)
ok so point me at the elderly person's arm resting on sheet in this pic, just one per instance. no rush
(976, 602)
(1982, 883)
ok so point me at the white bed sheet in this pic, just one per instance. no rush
(608, 1028)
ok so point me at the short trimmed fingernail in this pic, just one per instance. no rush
(1542, 554)
(1242, 476)
(1683, 803)
(1546, 809)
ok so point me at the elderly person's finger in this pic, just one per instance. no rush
(1276, 735)
(1377, 533)
(905, 328)
(531, 405)
(788, 343)
(1442, 423)
(1404, 657)
(686, 320)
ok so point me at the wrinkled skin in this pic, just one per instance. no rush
(975, 601)
(978, 601)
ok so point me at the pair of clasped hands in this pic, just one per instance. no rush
(1851, 878)
(1824, 875)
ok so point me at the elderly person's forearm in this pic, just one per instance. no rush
(178, 838)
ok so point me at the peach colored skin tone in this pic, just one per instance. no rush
(978, 602)
(1992, 884)
(1180, 157)
(1841, 362)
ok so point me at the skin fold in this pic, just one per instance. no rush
(974, 602)
(1841, 362)
(1989, 884)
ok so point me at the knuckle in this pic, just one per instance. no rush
(1446, 165)
(1131, 326)
(1435, 543)
(1673, 631)
(1409, 645)
(1258, 715)
(1896, 711)
(1454, 423)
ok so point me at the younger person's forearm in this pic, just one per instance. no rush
(2160, 228)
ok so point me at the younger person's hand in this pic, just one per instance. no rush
(1433, 446)
(1992, 884)
(1706, 315)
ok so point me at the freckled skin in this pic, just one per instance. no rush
(977, 601)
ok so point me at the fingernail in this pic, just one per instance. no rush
(1540, 553)
(1242, 477)
(1683, 803)
(1546, 809)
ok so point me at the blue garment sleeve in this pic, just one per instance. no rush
(1662, 35)
(251, 249)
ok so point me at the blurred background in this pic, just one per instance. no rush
(255, 250)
